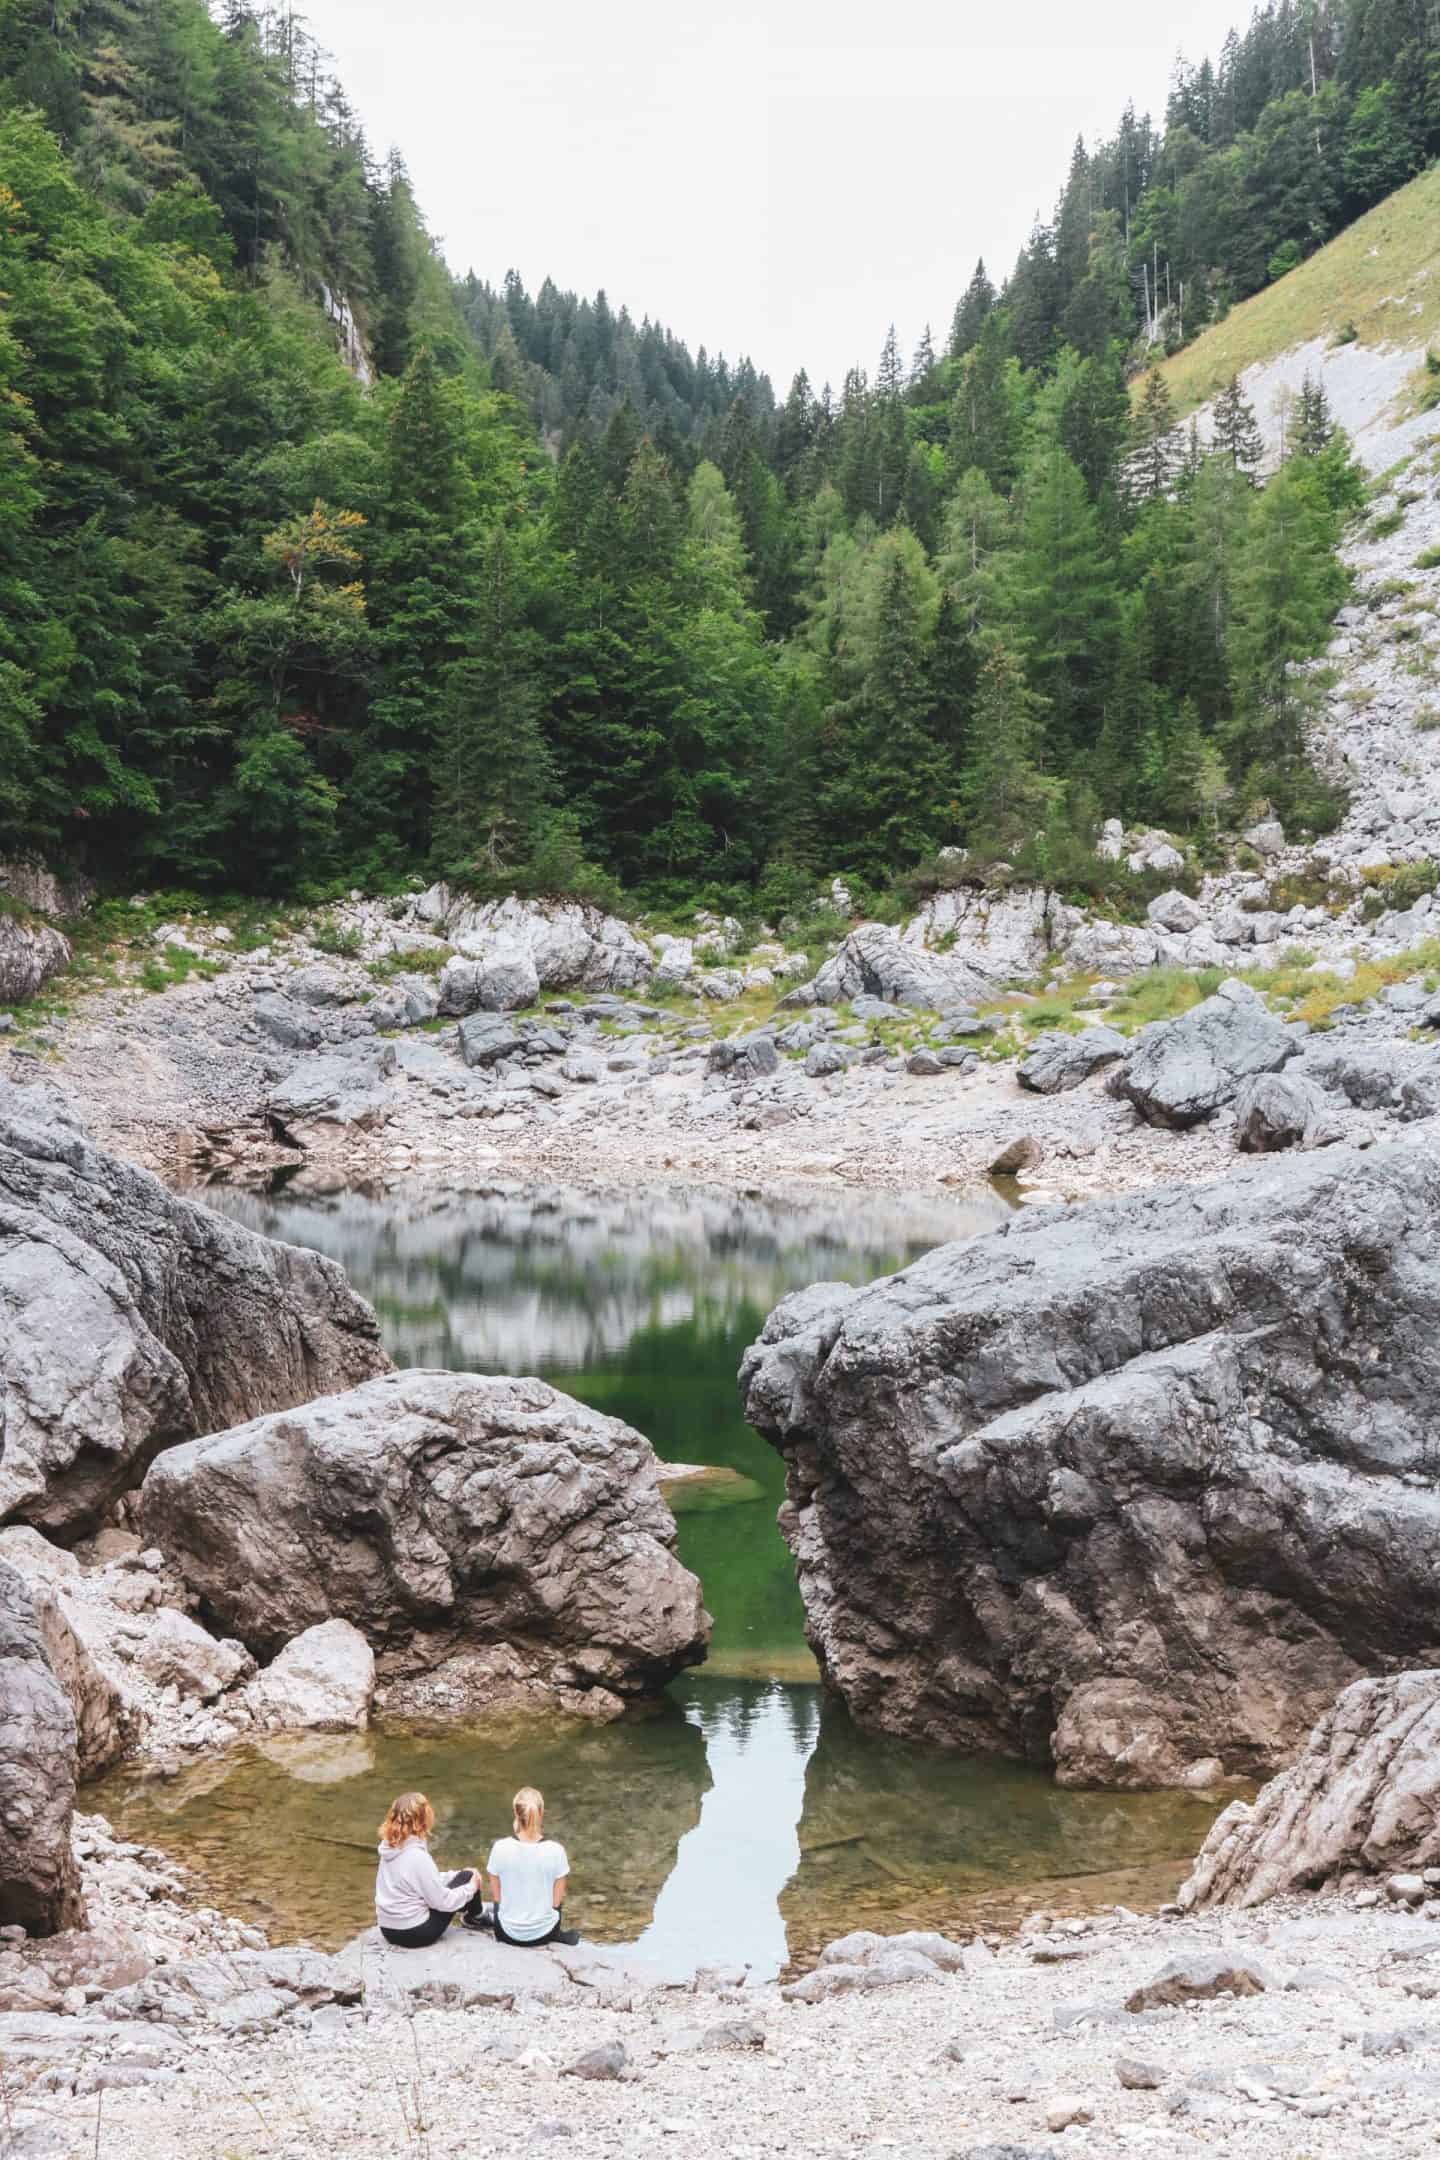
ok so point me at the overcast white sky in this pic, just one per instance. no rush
(762, 176)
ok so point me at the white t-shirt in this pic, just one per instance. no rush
(528, 1875)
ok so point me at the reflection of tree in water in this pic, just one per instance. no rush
(510, 1278)
(895, 1836)
(295, 1848)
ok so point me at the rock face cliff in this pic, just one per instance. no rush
(131, 1319)
(1137, 1487)
(441, 1513)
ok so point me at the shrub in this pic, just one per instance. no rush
(1388, 522)
(341, 940)
(1430, 560)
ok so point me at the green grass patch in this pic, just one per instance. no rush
(1388, 522)
(172, 964)
(1430, 560)
(424, 962)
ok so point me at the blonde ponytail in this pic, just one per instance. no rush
(528, 1810)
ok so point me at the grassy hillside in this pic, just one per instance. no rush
(1381, 276)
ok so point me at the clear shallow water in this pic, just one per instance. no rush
(747, 1821)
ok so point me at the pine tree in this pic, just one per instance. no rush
(1235, 432)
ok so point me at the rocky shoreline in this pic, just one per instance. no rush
(1308, 2027)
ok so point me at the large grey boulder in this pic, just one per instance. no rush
(347, 1090)
(441, 1510)
(406, 1001)
(875, 960)
(1181, 1072)
(178, 1653)
(568, 946)
(506, 981)
(1125, 1486)
(285, 1023)
(1058, 1061)
(30, 953)
(1283, 1110)
(1004, 934)
(1094, 946)
(1368, 1077)
(131, 1319)
(743, 1057)
(1175, 911)
(1363, 1795)
(486, 1038)
(39, 1888)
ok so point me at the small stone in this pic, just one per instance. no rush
(1138, 2076)
(1405, 1889)
(1198, 1977)
(1023, 1153)
(1069, 2108)
(599, 2064)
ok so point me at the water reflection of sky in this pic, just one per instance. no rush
(720, 1904)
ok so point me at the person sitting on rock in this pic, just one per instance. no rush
(529, 1874)
(414, 1903)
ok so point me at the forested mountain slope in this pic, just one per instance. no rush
(528, 596)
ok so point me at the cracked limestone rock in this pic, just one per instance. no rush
(1123, 1486)
(438, 1512)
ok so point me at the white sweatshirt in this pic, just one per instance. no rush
(409, 1886)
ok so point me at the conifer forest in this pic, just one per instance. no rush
(320, 564)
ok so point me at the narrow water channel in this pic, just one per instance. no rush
(747, 1821)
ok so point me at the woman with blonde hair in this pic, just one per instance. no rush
(414, 1904)
(529, 1874)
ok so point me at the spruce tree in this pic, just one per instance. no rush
(1003, 797)
(1287, 584)
(970, 313)
(1235, 432)
(985, 418)
(1313, 427)
(885, 785)
(1064, 586)
(493, 775)
(1155, 455)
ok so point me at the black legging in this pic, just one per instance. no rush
(535, 1942)
(430, 1931)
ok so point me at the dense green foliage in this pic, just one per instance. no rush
(533, 598)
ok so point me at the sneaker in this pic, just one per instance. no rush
(568, 1936)
(482, 1924)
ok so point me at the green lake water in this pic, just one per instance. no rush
(746, 1821)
